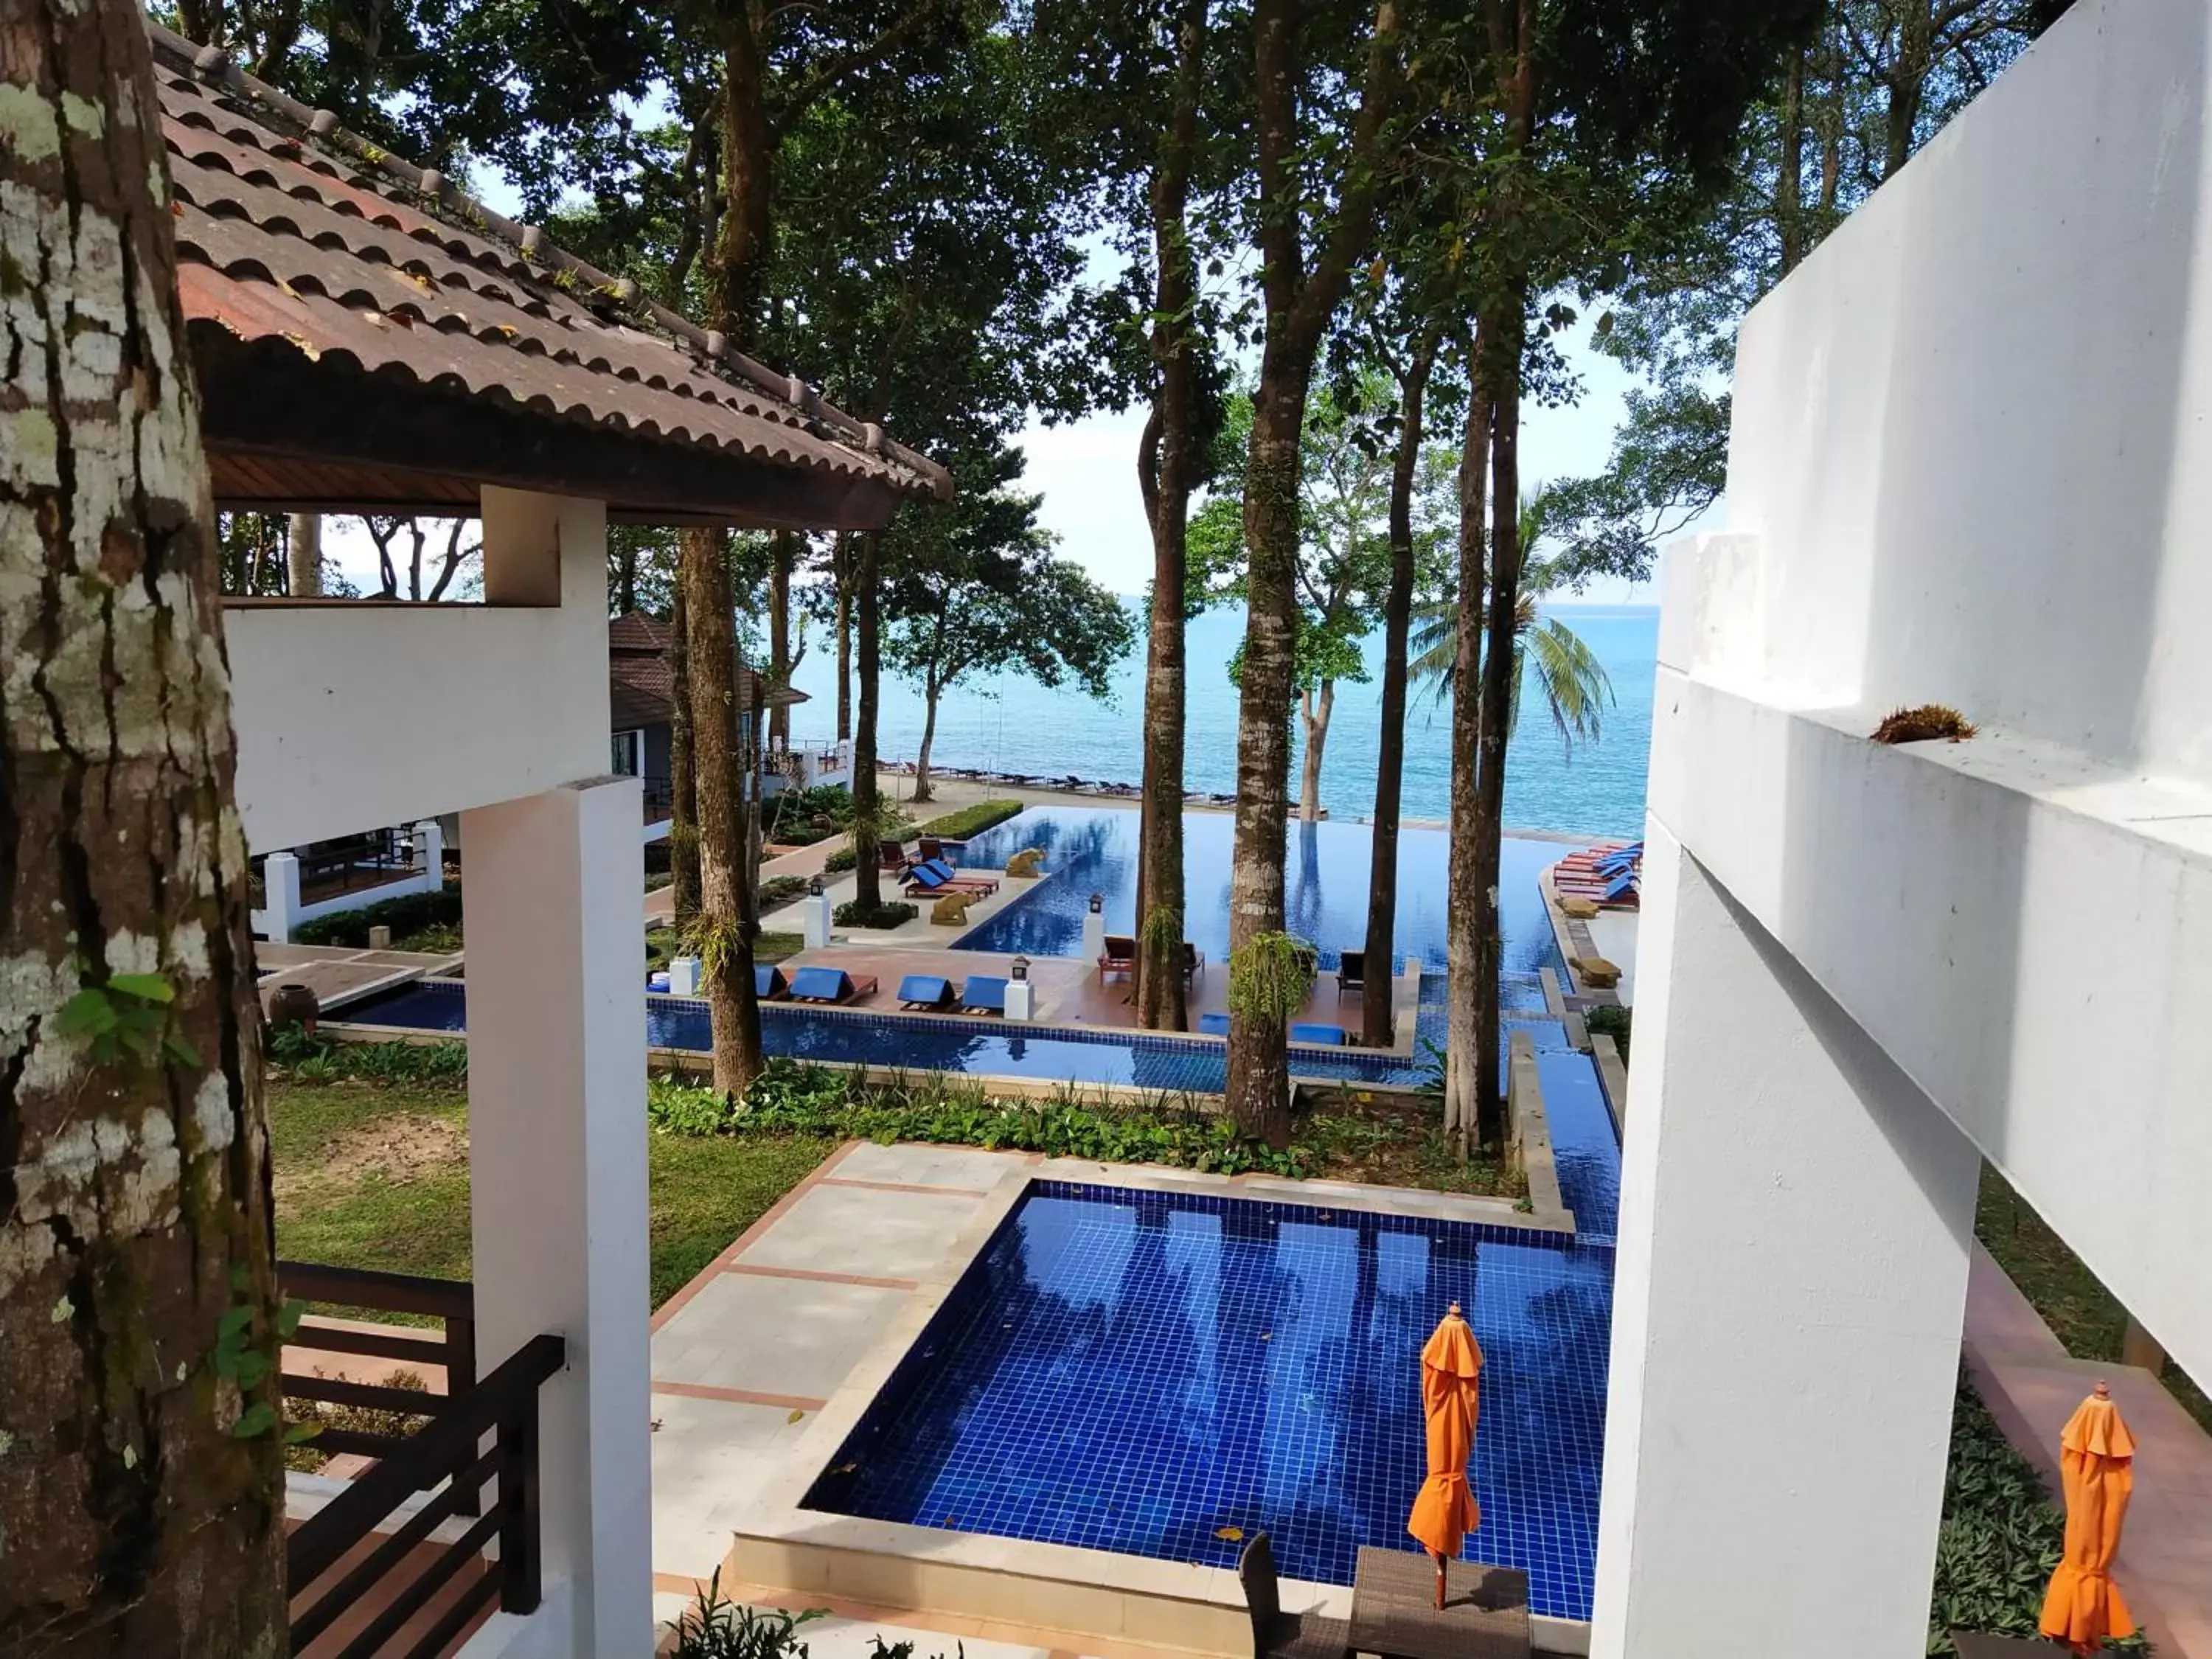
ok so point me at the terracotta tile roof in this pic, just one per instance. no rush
(290, 230)
(642, 690)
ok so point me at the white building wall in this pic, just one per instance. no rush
(351, 714)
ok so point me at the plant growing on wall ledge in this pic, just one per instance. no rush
(1925, 724)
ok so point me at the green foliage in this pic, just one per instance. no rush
(1613, 1020)
(246, 1355)
(779, 891)
(321, 1059)
(968, 821)
(714, 1627)
(938, 1108)
(126, 1014)
(882, 1649)
(792, 814)
(409, 915)
(1161, 929)
(891, 913)
(1270, 977)
(839, 861)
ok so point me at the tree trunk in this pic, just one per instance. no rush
(725, 860)
(134, 1163)
(1378, 1024)
(1463, 900)
(1164, 476)
(930, 692)
(867, 888)
(841, 566)
(683, 776)
(746, 232)
(1789, 180)
(782, 556)
(304, 555)
(1315, 713)
(1258, 1093)
(1495, 714)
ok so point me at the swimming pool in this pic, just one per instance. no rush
(1089, 849)
(1141, 1372)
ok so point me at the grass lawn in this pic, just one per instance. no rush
(377, 1176)
(2081, 1312)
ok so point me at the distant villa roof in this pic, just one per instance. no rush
(641, 690)
(370, 338)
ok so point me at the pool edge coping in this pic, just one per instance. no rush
(854, 1555)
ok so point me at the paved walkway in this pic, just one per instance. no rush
(2032, 1385)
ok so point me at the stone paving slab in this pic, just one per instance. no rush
(874, 1231)
(756, 1333)
(960, 1168)
(709, 1457)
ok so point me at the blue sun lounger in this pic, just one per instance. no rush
(768, 982)
(925, 991)
(829, 985)
(1213, 1024)
(1625, 859)
(1327, 1037)
(1622, 886)
(983, 995)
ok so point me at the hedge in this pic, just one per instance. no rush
(895, 913)
(971, 820)
(410, 913)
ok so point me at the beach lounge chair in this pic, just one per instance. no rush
(768, 983)
(937, 866)
(924, 880)
(1621, 889)
(1613, 863)
(983, 993)
(890, 857)
(926, 991)
(1277, 1634)
(1213, 1024)
(928, 848)
(830, 985)
(1194, 962)
(1119, 960)
(1326, 1037)
(1351, 974)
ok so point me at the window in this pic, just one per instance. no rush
(626, 758)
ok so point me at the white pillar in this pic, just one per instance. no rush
(1017, 1001)
(1094, 935)
(814, 920)
(280, 897)
(1788, 1290)
(556, 1158)
(430, 848)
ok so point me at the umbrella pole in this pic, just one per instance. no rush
(1439, 1560)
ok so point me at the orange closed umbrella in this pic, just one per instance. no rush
(1451, 1372)
(2082, 1606)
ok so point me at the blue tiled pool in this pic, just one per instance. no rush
(1092, 849)
(1137, 1371)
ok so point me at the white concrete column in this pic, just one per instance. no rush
(280, 897)
(1018, 1007)
(1094, 935)
(557, 1160)
(1790, 1281)
(430, 848)
(814, 920)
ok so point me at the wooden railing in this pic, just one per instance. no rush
(392, 1584)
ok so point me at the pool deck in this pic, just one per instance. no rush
(843, 1272)
(339, 974)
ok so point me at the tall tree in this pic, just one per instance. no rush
(143, 1507)
(976, 589)
(783, 560)
(1299, 300)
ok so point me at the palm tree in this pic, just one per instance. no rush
(1574, 683)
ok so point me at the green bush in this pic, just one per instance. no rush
(790, 816)
(319, 1058)
(892, 912)
(780, 890)
(971, 820)
(714, 1627)
(842, 859)
(947, 1110)
(1612, 1021)
(407, 915)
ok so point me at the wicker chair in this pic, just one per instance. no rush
(1277, 1634)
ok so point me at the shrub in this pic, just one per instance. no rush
(780, 890)
(323, 1059)
(1613, 1021)
(892, 912)
(791, 820)
(842, 859)
(714, 1627)
(942, 1109)
(406, 916)
(971, 820)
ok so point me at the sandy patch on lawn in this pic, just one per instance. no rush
(400, 1148)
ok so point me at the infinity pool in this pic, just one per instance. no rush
(1142, 1373)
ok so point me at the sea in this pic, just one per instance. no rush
(1008, 723)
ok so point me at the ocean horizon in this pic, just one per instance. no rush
(1005, 723)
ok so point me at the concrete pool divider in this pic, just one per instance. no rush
(1528, 1129)
(1079, 1600)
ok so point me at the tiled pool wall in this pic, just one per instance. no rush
(1142, 1371)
